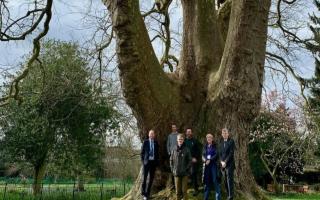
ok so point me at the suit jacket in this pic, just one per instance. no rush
(194, 147)
(214, 158)
(180, 161)
(226, 152)
(145, 151)
(207, 169)
(171, 142)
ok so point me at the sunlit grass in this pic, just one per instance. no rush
(297, 196)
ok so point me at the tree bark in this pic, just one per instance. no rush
(217, 84)
(39, 172)
(80, 183)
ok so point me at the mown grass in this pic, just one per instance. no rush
(97, 191)
(58, 196)
(296, 196)
(101, 191)
(96, 195)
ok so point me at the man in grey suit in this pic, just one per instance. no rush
(226, 154)
(172, 139)
(172, 144)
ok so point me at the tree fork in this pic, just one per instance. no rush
(147, 89)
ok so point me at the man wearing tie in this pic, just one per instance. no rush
(149, 159)
(226, 154)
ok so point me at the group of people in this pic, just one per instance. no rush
(216, 157)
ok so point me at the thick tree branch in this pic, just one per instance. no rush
(202, 48)
(201, 39)
(240, 77)
(224, 17)
(146, 87)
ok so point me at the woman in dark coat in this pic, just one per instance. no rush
(211, 168)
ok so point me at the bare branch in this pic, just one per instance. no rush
(14, 88)
(283, 62)
(151, 11)
(290, 35)
(161, 7)
(5, 34)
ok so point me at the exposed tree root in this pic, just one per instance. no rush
(169, 194)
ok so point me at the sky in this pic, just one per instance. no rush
(70, 24)
(67, 24)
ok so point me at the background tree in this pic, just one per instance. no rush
(60, 113)
(276, 146)
(314, 47)
(314, 97)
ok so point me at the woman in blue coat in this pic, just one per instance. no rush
(211, 170)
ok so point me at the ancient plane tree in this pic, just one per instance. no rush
(216, 84)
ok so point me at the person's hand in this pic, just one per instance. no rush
(194, 160)
(207, 162)
(223, 164)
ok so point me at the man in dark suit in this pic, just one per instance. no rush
(149, 159)
(226, 153)
(194, 147)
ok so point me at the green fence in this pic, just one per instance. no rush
(17, 189)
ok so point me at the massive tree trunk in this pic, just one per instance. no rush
(217, 83)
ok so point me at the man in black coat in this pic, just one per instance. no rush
(194, 147)
(149, 159)
(226, 154)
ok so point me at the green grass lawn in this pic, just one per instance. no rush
(96, 195)
(96, 191)
(57, 196)
(295, 196)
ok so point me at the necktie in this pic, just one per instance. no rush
(151, 149)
